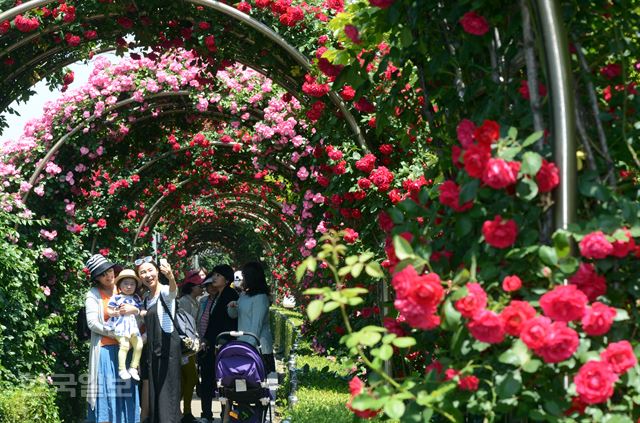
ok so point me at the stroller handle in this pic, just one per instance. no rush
(237, 334)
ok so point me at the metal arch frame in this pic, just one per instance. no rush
(252, 23)
(562, 116)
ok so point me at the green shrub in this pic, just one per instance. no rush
(35, 402)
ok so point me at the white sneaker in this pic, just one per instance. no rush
(134, 374)
(124, 375)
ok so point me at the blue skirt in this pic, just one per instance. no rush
(118, 400)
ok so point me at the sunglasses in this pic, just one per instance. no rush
(141, 261)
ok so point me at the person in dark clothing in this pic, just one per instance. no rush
(212, 320)
(164, 347)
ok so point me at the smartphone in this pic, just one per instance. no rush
(161, 277)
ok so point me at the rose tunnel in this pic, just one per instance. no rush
(250, 130)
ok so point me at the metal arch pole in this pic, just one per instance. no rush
(293, 52)
(556, 54)
(24, 7)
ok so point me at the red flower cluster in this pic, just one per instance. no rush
(589, 282)
(292, 16)
(23, 24)
(316, 110)
(595, 380)
(350, 236)
(356, 387)
(500, 233)
(367, 163)
(381, 178)
(450, 196)
(474, 24)
(547, 177)
(500, 174)
(417, 297)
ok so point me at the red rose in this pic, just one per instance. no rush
(473, 302)
(499, 174)
(595, 245)
(90, 34)
(598, 319)
(534, 332)
(487, 133)
(487, 326)
(68, 78)
(465, 130)
(381, 178)
(352, 33)
(499, 233)
(622, 248)
(511, 283)
(468, 383)
(356, 387)
(124, 22)
(589, 282)
(210, 43)
(611, 71)
(474, 24)
(564, 303)
(619, 356)
(450, 196)
(475, 159)
(382, 4)
(23, 24)
(5, 26)
(560, 344)
(364, 106)
(594, 382)
(350, 236)
(102, 223)
(385, 222)
(293, 15)
(515, 314)
(367, 163)
(347, 93)
(244, 7)
(423, 290)
(312, 88)
(316, 110)
(547, 177)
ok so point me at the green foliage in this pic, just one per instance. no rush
(35, 402)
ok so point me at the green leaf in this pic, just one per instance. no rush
(351, 260)
(374, 270)
(561, 242)
(464, 225)
(509, 153)
(531, 163)
(404, 342)
(508, 384)
(357, 269)
(330, 306)
(406, 38)
(314, 309)
(394, 408)
(386, 352)
(548, 255)
(621, 315)
(402, 247)
(527, 189)
(532, 366)
(532, 138)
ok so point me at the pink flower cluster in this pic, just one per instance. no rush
(595, 245)
(418, 297)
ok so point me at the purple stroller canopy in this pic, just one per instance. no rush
(240, 360)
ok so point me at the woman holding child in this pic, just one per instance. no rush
(111, 400)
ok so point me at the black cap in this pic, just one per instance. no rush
(224, 270)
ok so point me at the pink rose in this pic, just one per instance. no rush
(474, 24)
(534, 332)
(594, 382)
(564, 303)
(500, 233)
(473, 302)
(468, 383)
(515, 314)
(487, 326)
(595, 245)
(560, 344)
(589, 282)
(511, 283)
(619, 356)
(417, 297)
(598, 319)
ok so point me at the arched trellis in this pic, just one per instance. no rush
(238, 16)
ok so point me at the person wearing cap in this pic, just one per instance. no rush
(126, 327)
(109, 399)
(190, 289)
(212, 320)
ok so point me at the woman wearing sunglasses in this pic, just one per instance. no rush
(163, 342)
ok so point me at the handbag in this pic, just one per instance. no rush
(185, 324)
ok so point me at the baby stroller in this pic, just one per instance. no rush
(241, 379)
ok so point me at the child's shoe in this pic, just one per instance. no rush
(134, 374)
(124, 375)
